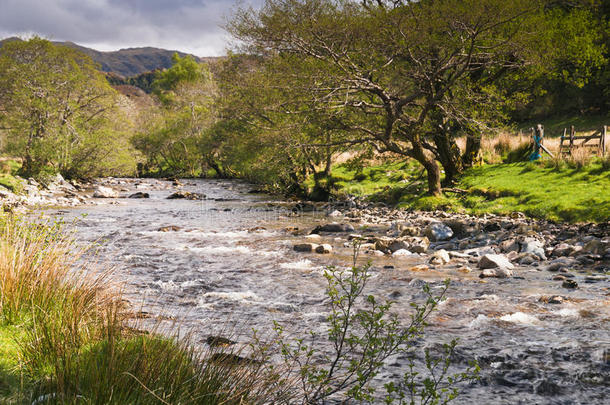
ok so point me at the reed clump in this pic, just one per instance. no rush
(77, 344)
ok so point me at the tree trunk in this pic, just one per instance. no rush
(473, 146)
(449, 156)
(432, 169)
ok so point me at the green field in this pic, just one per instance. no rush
(539, 190)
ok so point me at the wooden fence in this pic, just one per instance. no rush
(570, 141)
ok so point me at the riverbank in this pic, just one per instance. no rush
(549, 190)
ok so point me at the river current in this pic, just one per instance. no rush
(230, 268)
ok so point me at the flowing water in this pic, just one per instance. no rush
(230, 268)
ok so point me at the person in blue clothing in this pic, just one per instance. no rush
(538, 135)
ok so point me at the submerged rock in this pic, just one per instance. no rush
(305, 247)
(569, 283)
(186, 195)
(333, 227)
(169, 228)
(324, 248)
(139, 194)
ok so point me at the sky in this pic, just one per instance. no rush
(192, 26)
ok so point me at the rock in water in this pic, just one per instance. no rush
(497, 273)
(333, 227)
(324, 248)
(169, 228)
(305, 247)
(492, 261)
(139, 194)
(186, 195)
(105, 192)
(569, 283)
(440, 257)
(533, 246)
(438, 231)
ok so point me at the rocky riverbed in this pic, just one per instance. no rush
(528, 299)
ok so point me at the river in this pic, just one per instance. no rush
(230, 268)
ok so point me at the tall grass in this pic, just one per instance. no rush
(78, 347)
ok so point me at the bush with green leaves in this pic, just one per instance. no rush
(363, 333)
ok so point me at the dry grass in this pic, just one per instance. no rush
(78, 348)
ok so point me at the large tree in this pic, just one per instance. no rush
(56, 109)
(410, 76)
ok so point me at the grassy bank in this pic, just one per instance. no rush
(67, 337)
(551, 190)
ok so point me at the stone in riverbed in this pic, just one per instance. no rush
(169, 228)
(324, 249)
(186, 195)
(401, 252)
(333, 227)
(438, 231)
(440, 257)
(492, 261)
(569, 284)
(534, 247)
(499, 272)
(305, 247)
(139, 194)
(105, 192)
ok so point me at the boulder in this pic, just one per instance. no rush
(333, 227)
(139, 194)
(186, 195)
(335, 213)
(305, 247)
(492, 261)
(324, 248)
(409, 231)
(438, 231)
(105, 192)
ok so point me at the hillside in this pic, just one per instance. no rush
(127, 62)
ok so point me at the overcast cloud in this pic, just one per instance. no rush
(186, 25)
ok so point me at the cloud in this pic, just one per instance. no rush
(186, 25)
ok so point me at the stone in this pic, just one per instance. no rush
(409, 231)
(398, 244)
(169, 228)
(313, 236)
(563, 249)
(569, 284)
(498, 272)
(139, 194)
(440, 257)
(438, 231)
(335, 213)
(595, 246)
(305, 247)
(401, 252)
(420, 267)
(186, 195)
(105, 192)
(324, 248)
(509, 245)
(491, 261)
(333, 227)
(464, 269)
(419, 245)
(533, 246)
(383, 244)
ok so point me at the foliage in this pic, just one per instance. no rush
(363, 333)
(58, 112)
(172, 131)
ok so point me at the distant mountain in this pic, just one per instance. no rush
(127, 62)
